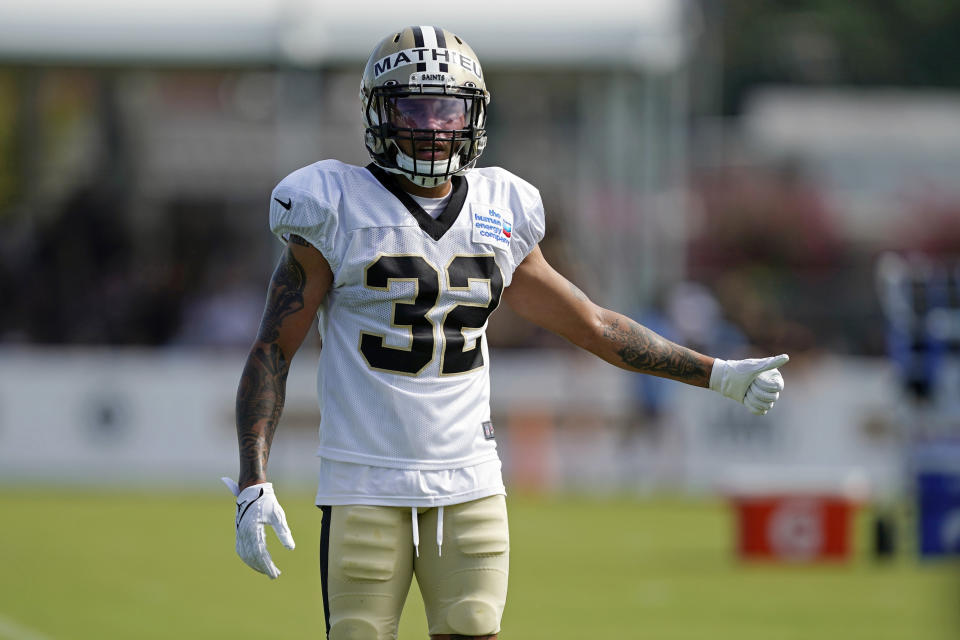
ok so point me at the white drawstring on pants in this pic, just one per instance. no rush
(416, 531)
(440, 531)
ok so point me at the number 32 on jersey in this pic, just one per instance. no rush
(414, 312)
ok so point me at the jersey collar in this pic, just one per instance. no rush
(433, 228)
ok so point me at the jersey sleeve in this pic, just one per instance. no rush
(300, 212)
(531, 228)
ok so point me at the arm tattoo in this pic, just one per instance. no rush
(644, 350)
(285, 296)
(295, 239)
(262, 389)
(259, 403)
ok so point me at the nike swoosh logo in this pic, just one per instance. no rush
(241, 505)
(286, 205)
(240, 517)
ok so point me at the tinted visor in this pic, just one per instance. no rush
(428, 112)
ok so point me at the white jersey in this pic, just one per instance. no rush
(403, 377)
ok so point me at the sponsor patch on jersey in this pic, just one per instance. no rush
(488, 430)
(491, 225)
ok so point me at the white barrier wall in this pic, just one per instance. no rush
(135, 416)
(563, 420)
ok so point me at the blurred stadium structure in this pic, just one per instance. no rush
(138, 147)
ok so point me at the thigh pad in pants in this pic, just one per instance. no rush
(370, 566)
(464, 584)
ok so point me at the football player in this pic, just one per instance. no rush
(403, 261)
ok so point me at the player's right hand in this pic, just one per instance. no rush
(256, 506)
(755, 382)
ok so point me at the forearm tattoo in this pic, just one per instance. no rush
(644, 350)
(262, 389)
(259, 404)
(285, 296)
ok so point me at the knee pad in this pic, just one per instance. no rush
(473, 618)
(353, 629)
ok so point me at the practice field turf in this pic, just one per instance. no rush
(133, 565)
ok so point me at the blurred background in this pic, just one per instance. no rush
(746, 178)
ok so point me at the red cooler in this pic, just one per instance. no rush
(793, 528)
(795, 515)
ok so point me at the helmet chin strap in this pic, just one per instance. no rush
(405, 166)
(424, 181)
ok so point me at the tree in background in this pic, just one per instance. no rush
(909, 43)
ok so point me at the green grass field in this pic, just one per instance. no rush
(132, 565)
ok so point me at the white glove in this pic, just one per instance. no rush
(256, 506)
(755, 382)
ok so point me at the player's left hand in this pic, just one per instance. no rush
(256, 506)
(755, 382)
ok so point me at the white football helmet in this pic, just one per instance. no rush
(424, 105)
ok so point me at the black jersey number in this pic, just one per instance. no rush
(407, 313)
(461, 272)
(413, 313)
